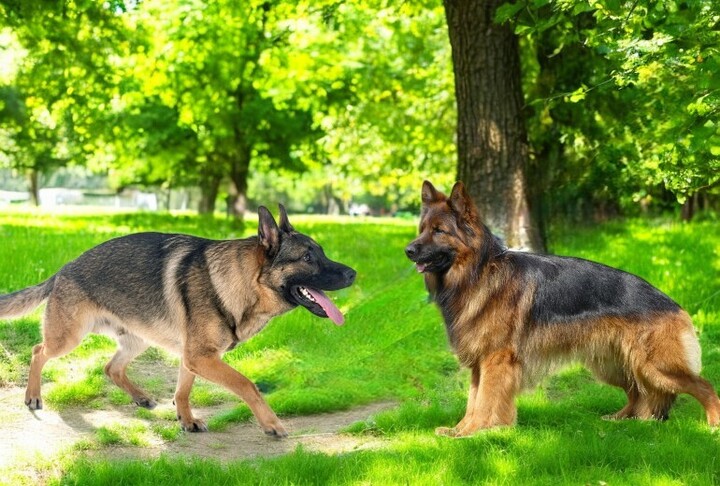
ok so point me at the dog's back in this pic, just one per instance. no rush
(610, 320)
(569, 290)
(125, 275)
(134, 276)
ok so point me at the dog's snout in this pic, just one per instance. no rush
(411, 250)
(349, 275)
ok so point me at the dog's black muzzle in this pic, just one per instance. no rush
(412, 251)
(332, 276)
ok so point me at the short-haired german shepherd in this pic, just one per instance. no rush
(512, 316)
(194, 297)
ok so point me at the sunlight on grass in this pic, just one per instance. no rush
(221, 420)
(267, 366)
(167, 432)
(133, 434)
(207, 394)
(74, 390)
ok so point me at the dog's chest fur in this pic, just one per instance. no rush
(483, 316)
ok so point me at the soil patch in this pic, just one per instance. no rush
(26, 435)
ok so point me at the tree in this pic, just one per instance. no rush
(63, 76)
(207, 63)
(491, 134)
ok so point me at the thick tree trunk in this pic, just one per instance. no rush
(492, 138)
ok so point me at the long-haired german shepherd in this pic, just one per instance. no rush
(512, 316)
(194, 297)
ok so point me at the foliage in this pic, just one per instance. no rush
(398, 125)
(203, 68)
(625, 97)
(329, 102)
(167, 94)
(59, 77)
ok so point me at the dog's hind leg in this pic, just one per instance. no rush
(654, 403)
(672, 383)
(182, 401)
(62, 331)
(672, 365)
(129, 347)
(610, 370)
(630, 409)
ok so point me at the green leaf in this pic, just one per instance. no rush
(578, 94)
(507, 11)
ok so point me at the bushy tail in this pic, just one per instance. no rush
(23, 301)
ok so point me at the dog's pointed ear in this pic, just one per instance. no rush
(285, 225)
(268, 232)
(430, 194)
(461, 203)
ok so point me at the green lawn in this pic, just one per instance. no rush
(392, 347)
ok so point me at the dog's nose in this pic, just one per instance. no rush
(349, 274)
(411, 251)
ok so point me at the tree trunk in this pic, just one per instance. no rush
(237, 196)
(209, 188)
(491, 133)
(688, 208)
(34, 182)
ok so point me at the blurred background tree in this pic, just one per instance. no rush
(323, 104)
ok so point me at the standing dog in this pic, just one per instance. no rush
(194, 297)
(511, 316)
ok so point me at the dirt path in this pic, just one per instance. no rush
(25, 434)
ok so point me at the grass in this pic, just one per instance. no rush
(392, 346)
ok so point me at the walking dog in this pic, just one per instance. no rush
(194, 297)
(512, 316)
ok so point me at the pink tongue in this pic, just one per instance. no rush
(327, 305)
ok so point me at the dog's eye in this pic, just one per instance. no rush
(307, 257)
(438, 231)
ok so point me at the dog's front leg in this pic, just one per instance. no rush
(216, 370)
(494, 405)
(182, 401)
(471, 405)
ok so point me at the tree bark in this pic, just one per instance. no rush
(688, 208)
(491, 134)
(239, 171)
(34, 181)
(209, 188)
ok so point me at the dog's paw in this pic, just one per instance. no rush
(34, 403)
(275, 430)
(194, 425)
(145, 402)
